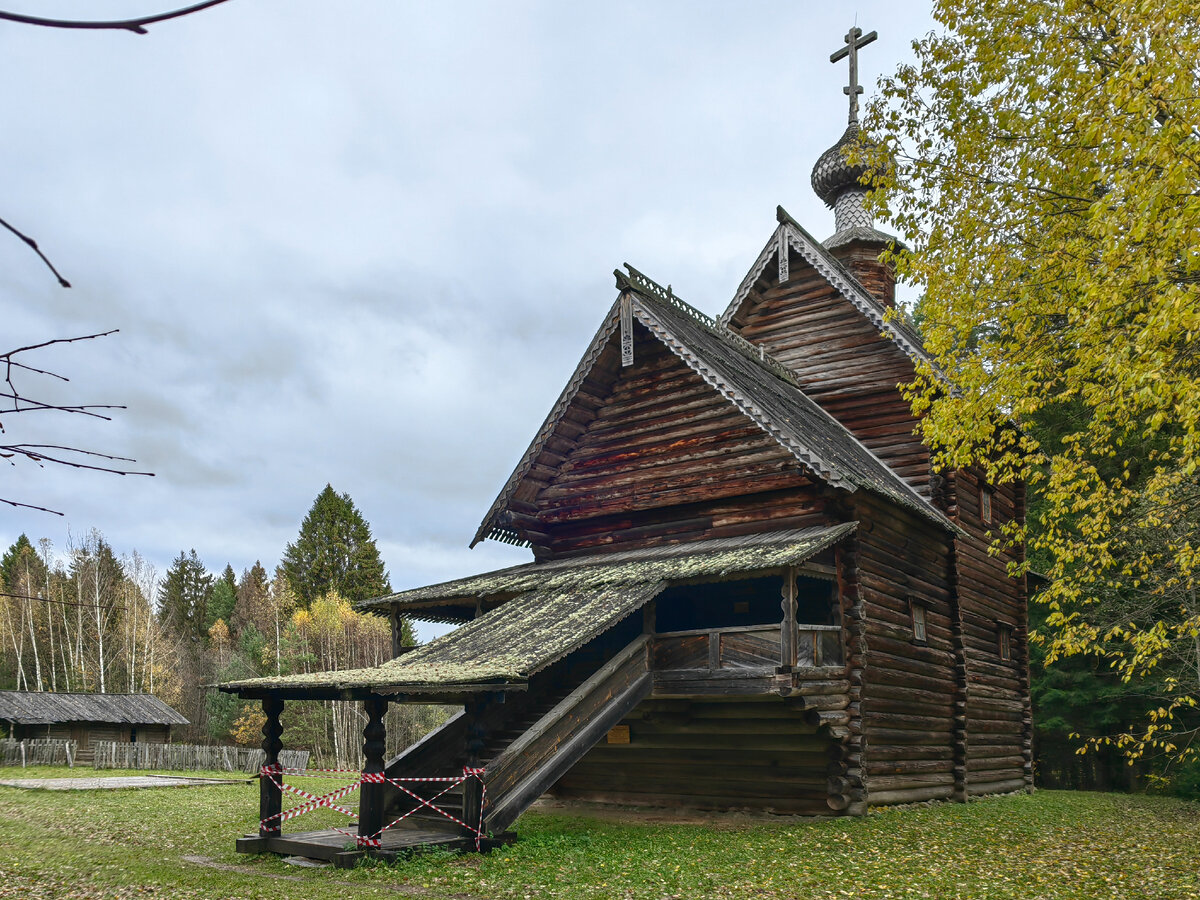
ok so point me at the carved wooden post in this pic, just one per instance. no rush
(270, 797)
(472, 789)
(789, 637)
(397, 624)
(371, 793)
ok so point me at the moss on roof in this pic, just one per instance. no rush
(559, 606)
(506, 645)
(675, 562)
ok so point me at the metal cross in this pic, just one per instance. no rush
(855, 41)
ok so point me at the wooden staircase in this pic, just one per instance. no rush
(524, 744)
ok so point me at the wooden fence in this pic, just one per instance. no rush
(37, 752)
(121, 755)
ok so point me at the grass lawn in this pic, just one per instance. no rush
(133, 843)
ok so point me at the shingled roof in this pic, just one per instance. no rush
(47, 708)
(556, 607)
(750, 378)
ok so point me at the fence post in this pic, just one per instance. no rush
(270, 797)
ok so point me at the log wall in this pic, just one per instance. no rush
(841, 360)
(909, 687)
(665, 458)
(999, 718)
(708, 754)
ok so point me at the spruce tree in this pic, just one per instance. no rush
(12, 563)
(184, 596)
(335, 552)
(224, 596)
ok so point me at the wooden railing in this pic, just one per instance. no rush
(745, 647)
(820, 645)
(540, 756)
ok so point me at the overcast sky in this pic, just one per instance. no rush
(365, 242)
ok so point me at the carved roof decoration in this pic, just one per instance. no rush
(756, 383)
(792, 234)
(555, 608)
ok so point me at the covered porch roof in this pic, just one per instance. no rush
(547, 610)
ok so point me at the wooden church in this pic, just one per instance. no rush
(749, 589)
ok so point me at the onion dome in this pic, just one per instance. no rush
(832, 174)
(839, 184)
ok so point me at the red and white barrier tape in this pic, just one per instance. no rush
(316, 802)
(375, 840)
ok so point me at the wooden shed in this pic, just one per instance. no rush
(86, 718)
(749, 587)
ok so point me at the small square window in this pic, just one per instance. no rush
(917, 611)
(1005, 641)
(985, 505)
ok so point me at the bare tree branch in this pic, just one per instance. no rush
(138, 25)
(21, 403)
(82, 337)
(34, 452)
(33, 244)
(30, 506)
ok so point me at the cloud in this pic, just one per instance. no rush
(368, 248)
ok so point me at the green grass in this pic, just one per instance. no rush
(125, 844)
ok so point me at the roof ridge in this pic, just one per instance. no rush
(749, 349)
(831, 269)
(770, 364)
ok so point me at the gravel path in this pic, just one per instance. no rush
(112, 782)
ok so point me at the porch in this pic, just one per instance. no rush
(565, 661)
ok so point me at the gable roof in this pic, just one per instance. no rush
(748, 377)
(47, 708)
(791, 234)
(559, 606)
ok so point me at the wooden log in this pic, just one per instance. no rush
(908, 781)
(909, 795)
(996, 787)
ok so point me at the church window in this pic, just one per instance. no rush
(916, 610)
(985, 505)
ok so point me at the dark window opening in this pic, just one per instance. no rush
(742, 603)
(1005, 641)
(133, 735)
(985, 505)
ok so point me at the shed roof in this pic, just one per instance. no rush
(48, 708)
(558, 607)
(714, 558)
